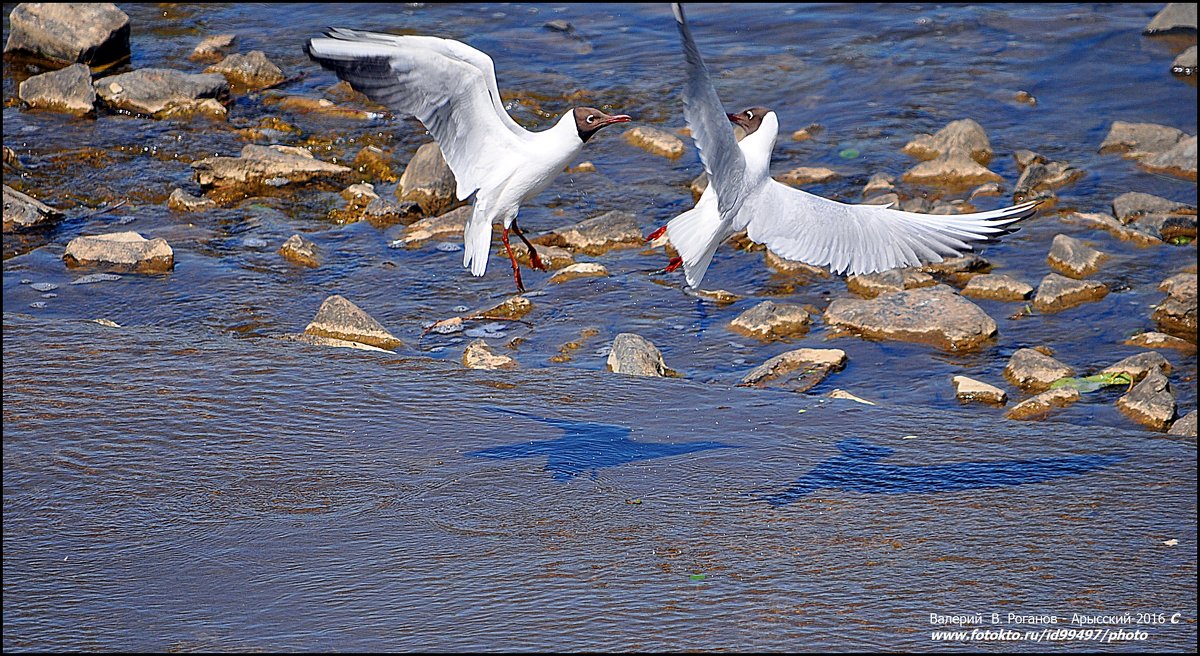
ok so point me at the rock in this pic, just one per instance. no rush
(122, 251)
(559, 25)
(1185, 425)
(957, 270)
(160, 92)
(1137, 366)
(212, 47)
(804, 175)
(381, 212)
(513, 307)
(954, 169)
(1138, 140)
(374, 164)
(880, 183)
(718, 296)
(843, 394)
(1177, 313)
(22, 212)
(1033, 370)
(1039, 179)
(428, 181)
(986, 189)
(1155, 340)
(656, 141)
(258, 165)
(1179, 160)
(969, 389)
(300, 250)
(1167, 227)
(582, 167)
(453, 222)
(1130, 205)
(597, 235)
(997, 287)
(552, 257)
(1175, 17)
(1026, 158)
(87, 33)
(698, 186)
(478, 355)
(1041, 405)
(182, 201)
(799, 370)
(1057, 293)
(338, 318)
(769, 320)
(956, 155)
(792, 267)
(1185, 63)
(580, 270)
(251, 71)
(304, 105)
(1150, 402)
(1025, 98)
(67, 90)
(317, 340)
(870, 285)
(11, 159)
(1073, 257)
(804, 134)
(359, 194)
(932, 315)
(635, 355)
(1113, 227)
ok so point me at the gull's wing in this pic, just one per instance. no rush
(710, 126)
(857, 239)
(438, 81)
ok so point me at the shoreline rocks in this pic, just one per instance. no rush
(67, 90)
(24, 213)
(95, 34)
(264, 165)
(120, 251)
(932, 315)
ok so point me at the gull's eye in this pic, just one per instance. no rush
(591, 118)
(749, 115)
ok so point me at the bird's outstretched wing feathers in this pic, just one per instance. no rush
(449, 86)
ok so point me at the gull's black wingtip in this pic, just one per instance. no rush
(677, 9)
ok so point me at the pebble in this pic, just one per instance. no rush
(448, 247)
(43, 286)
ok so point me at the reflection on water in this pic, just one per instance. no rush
(588, 446)
(857, 470)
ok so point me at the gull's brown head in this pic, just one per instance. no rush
(589, 120)
(749, 119)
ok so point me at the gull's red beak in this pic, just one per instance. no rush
(619, 118)
(735, 118)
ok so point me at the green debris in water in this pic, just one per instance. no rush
(1181, 240)
(849, 153)
(1093, 383)
(696, 577)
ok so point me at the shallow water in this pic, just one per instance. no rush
(213, 488)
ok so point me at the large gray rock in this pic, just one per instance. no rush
(1138, 366)
(1138, 140)
(932, 315)
(799, 370)
(338, 318)
(272, 165)
(92, 33)
(66, 90)
(428, 181)
(251, 71)
(1178, 160)
(22, 212)
(1150, 402)
(1074, 258)
(1039, 179)
(870, 285)
(445, 225)
(121, 251)
(1185, 425)
(956, 155)
(1175, 17)
(1185, 63)
(1031, 369)
(769, 320)
(1057, 293)
(1114, 227)
(161, 92)
(634, 355)
(597, 235)
(997, 287)
(1177, 313)
(1130, 205)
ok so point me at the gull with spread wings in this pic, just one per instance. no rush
(795, 224)
(451, 88)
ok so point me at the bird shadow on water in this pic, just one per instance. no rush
(857, 469)
(587, 446)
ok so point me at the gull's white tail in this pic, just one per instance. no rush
(696, 234)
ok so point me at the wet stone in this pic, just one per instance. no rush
(260, 165)
(880, 183)
(1185, 64)
(932, 315)
(428, 181)
(1038, 179)
(552, 257)
(1031, 369)
(1176, 315)
(182, 201)
(580, 270)
(805, 175)
(22, 212)
(1041, 405)
(698, 185)
(969, 389)
(770, 320)
(1166, 227)
(1150, 402)
(1175, 17)
(1072, 257)
(1155, 340)
(453, 222)
(997, 287)
(381, 212)
(94, 278)
(213, 47)
(318, 340)
(870, 285)
(300, 250)
(1112, 226)
(656, 141)
(986, 189)
(478, 355)
(513, 307)
(952, 169)
(252, 70)
(1138, 366)
(793, 267)
(718, 296)
(799, 370)
(1130, 205)
(67, 90)
(375, 164)
(359, 194)
(1057, 293)
(338, 318)
(634, 355)
(1179, 160)
(69, 33)
(956, 155)
(123, 251)
(1184, 426)
(157, 91)
(597, 235)
(43, 286)
(1139, 140)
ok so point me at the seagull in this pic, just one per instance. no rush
(451, 88)
(795, 224)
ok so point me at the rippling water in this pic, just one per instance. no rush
(187, 482)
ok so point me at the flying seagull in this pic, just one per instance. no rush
(451, 88)
(795, 224)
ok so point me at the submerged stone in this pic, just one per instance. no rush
(338, 318)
